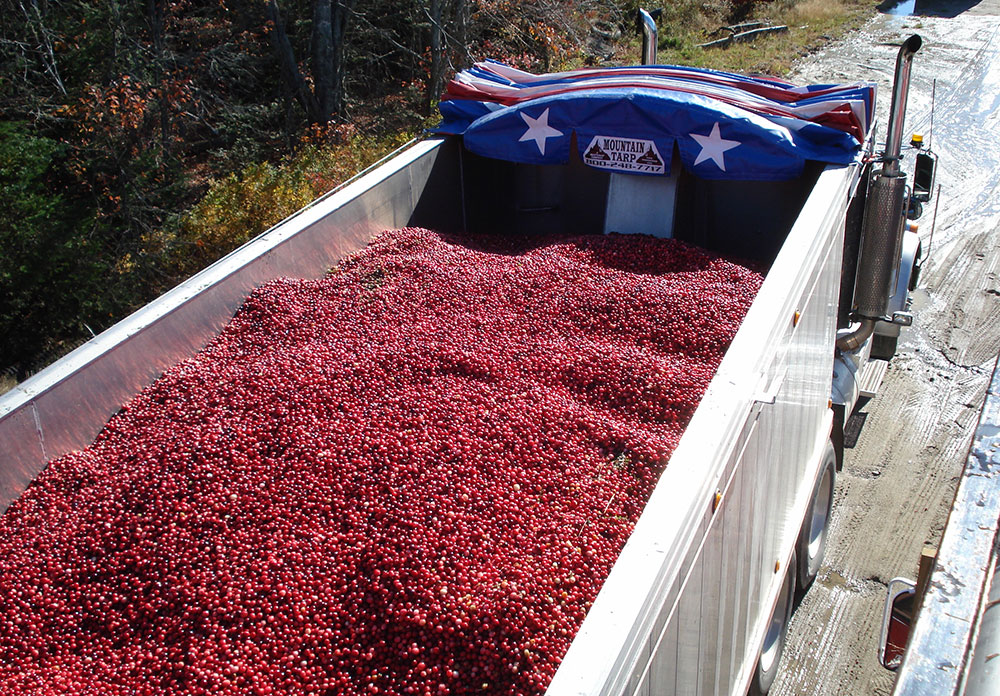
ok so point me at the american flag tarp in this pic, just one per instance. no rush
(629, 119)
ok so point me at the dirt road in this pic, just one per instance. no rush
(895, 491)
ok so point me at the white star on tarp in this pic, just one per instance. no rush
(538, 130)
(713, 146)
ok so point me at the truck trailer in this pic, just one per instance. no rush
(700, 597)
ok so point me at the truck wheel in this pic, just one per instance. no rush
(812, 537)
(774, 638)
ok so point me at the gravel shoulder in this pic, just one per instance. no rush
(899, 479)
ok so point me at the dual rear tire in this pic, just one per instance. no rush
(811, 545)
(774, 638)
(804, 566)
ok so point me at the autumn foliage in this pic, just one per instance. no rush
(129, 113)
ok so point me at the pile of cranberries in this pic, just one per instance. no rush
(409, 477)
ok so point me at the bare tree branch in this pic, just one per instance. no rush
(289, 67)
(43, 36)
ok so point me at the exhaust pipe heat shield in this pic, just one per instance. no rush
(881, 241)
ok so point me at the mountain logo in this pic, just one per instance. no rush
(596, 153)
(650, 157)
(614, 153)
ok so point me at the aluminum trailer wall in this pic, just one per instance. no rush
(685, 607)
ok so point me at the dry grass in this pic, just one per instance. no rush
(7, 383)
(812, 11)
(811, 24)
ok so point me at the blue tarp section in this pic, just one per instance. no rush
(635, 129)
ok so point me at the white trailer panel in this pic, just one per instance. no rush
(954, 646)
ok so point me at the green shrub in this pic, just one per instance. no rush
(52, 272)
(241, 206)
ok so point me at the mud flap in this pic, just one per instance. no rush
(837, 434)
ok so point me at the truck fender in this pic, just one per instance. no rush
(906, 280)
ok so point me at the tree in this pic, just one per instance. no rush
(329, 29)
(50, 278)
(116, 117)
(435, 80)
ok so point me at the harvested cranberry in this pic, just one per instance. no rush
(409, 477)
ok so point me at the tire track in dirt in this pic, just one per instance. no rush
(893, 496)
(966, 333)
(838, 594)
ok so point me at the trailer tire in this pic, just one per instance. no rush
(774, 638)
(811, 545)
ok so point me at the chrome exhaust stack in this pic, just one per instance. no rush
(882, 231)
(897, 111)
(649, 33)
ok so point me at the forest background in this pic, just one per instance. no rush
(141, 140)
